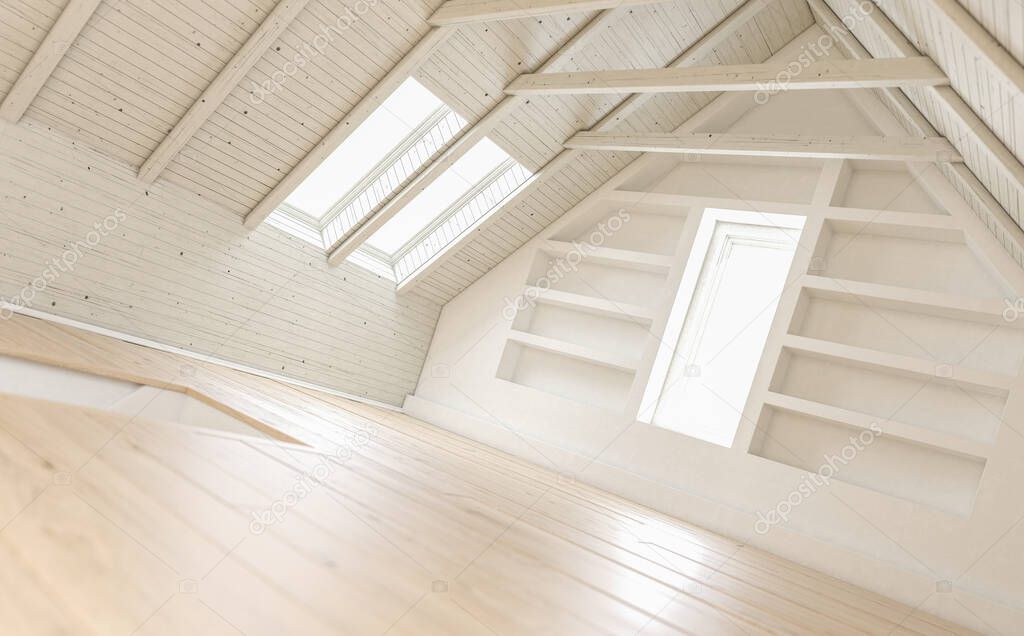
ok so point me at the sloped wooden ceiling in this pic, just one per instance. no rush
(138, 67)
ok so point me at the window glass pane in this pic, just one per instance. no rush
(730, 312)
(439, 196)
(408, 107)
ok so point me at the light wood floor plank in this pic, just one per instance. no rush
(339, 517)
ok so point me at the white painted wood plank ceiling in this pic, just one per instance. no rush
(139, 65)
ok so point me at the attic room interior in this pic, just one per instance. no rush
(511, 317)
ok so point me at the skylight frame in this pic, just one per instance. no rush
(415, 136)
(434, 133)
(440, 119)
(402, 116)
(465, 199)
(405, 266)
(298, 224)
(287, 217)
(444, 118)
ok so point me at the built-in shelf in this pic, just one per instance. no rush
(594, 286)
(592, 305)
(917, 225)
(629, 259)
(908, 299)
(917, 251)
(974, 379)
(910, 225)
(577, 352)
(889, 428)
(923, 466)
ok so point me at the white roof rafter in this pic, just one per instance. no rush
(824, 74)
(883, 148)
(986, 46)
(217, 91)
(46, 58)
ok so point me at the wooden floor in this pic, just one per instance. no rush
(376, 523)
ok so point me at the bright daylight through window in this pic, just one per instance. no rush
(483, 159)
(394, 144)
(719, 323)
(401, 114)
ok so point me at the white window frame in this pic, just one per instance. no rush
(498, 186)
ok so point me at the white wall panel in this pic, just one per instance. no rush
(183, 272)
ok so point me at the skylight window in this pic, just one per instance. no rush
(480, 162)
(719, 323)
(391, 124)
(396, 141)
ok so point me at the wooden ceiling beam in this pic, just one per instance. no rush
(50, 52)
(824, 74)
(458, 148)
(694, 54)
(921, 149)
(341, 131)
(227, 79)
(457, 12)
